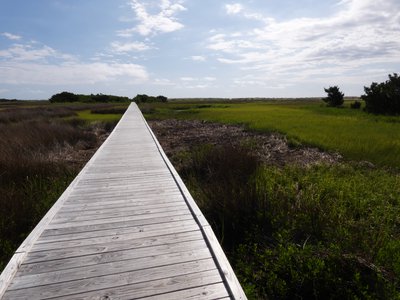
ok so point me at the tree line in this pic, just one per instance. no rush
(102, 98)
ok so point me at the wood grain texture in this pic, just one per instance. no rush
(126, 227)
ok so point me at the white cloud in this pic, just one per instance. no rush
(11, 36)
(43, 65)
(358, 34)
(129, 47)
(162, 82)
(197, 82)
(162, 22)
(198, 58)
(187, 78)
(126, 33)
(233, 9)
(70, 74)
(32, 52)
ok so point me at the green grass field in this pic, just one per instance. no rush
(353, 133)
(321, 232)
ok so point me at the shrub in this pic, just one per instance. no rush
(335, 96)
(383, 98)
(300, 233)
(221, 178)
(355, 105)
(143, 98)
(64, 97)
(106, 111)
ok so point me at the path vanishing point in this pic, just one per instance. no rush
(126, 228)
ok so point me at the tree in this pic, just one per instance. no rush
(383, 98)
(64, 97)
(143, 98)
(161, 98)
(335, 96)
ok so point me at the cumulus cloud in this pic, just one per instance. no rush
(162, 21)
(11, 36)
(28, 52)
(359, 33)
(198, 58)
(43, 65)
(197, 82)
(70, 74)
(129, 47)
(233, 9)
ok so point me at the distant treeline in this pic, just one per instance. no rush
(8, 100)
(101, 98)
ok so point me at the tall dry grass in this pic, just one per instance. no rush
(32, 172)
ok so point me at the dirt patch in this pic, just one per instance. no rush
(177, 136)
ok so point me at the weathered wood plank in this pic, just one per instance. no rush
(109, 281)
(110, 268)
(118, 213)
(110, 199)
(117, 219)
(113, 238)
(115, 246)
(90, 209)
(115, 225)
(145, 289)
(205, 292)
(106, 257)
(157, 228)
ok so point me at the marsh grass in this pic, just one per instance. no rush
(317, 232)
(353, 133)
(93, 116)
(33, 171)
(321, 232)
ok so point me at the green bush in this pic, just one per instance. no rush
(322, 232)
(383, 98)
(335, 96)
(64, 97)
(355, 105)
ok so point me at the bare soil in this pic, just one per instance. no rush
(176, 136)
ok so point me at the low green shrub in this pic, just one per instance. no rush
(355, 105)
(317, 232)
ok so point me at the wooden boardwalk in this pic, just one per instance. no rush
(126, 228)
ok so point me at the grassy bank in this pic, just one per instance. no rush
(317, 232)
(353, 133)
(42, 148)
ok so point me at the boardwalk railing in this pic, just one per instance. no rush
(125, 228)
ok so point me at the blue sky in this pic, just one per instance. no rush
(193, 48)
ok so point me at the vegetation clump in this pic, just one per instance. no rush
(65, 97)
(310, 233)
(384, 97)
(143, 98)
(321, 231)
(355, 105)
(41, 151)
(335, 97)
